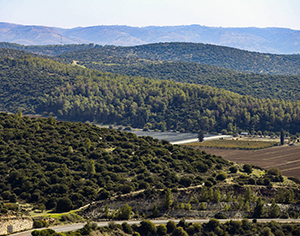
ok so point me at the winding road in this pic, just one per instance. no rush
(73, 227)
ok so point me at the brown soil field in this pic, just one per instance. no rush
(286, 158)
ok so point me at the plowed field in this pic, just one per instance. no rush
(285, 158)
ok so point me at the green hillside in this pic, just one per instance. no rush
(44, 161)
(42, 86)
(220, 56)
(225, 57)
(63, 165)
(256, 85)
(49, 50)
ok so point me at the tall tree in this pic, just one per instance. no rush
(281, 137)
(201, 136)
(168, 199)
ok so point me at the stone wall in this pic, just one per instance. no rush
(14, 224)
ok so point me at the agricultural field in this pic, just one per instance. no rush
(234, 144)
(286, 158)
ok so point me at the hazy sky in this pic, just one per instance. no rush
(226, 13)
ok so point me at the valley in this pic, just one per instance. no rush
(64, 158)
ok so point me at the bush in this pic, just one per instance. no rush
(161, 230)
(40, 224)
(208, 184)
(220, 215)
(126, 228)
(233, 169)
(64, 204)
(171, 226)
(247, 168)
(221, 176)
(274, 171)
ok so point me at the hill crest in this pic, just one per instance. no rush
(270, 40)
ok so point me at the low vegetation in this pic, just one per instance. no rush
(234, 144)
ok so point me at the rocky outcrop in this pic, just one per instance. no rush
(14, 224)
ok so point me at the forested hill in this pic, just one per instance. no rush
(64, 165)
(224, 57)
(38, 85)
(49, 50)
(257, 85)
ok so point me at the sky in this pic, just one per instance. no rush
(216, 13)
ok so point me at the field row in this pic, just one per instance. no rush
(286, 158)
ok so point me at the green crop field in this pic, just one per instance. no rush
(234, 144)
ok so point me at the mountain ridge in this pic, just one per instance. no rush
(268, 40)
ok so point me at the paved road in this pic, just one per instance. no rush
(73, 227)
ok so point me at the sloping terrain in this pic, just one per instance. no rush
(37, 85)
(257, 85)
(220, 56)
(43, 160)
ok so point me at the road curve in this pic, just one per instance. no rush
(73, 227)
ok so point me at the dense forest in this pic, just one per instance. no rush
(220, 56)
(38, 85)
(63, 165)
(256, 85)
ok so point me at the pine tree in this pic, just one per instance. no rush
(274, 210)
(282, 137)
(259, 208)
(155, 211)
(168, 199)
(248, 194)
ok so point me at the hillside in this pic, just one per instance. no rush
(256, 85)
(42, 86)
(269, 40)
(44, 161)
(223, 57)
(63, 165)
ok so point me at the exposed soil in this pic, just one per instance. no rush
(286, 158)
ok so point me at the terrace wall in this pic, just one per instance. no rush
(14, 224)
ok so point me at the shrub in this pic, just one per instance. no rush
(220, 215)
(233, 169)
(40, 224)
(208, 184)
(64, 204)
(274, 171)
(221, 176)
(171, 226)
(161, 230)
(126, 228)
(247, 168)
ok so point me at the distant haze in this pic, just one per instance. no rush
(216, 13)
(269, 40)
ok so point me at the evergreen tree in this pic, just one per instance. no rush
(168, 199)
(274, 210)
(282, 137)
(217, 195)
(248, 194)
(201, 136)
(259, 208)
(155, 211)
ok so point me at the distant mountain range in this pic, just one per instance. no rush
(268, 40)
